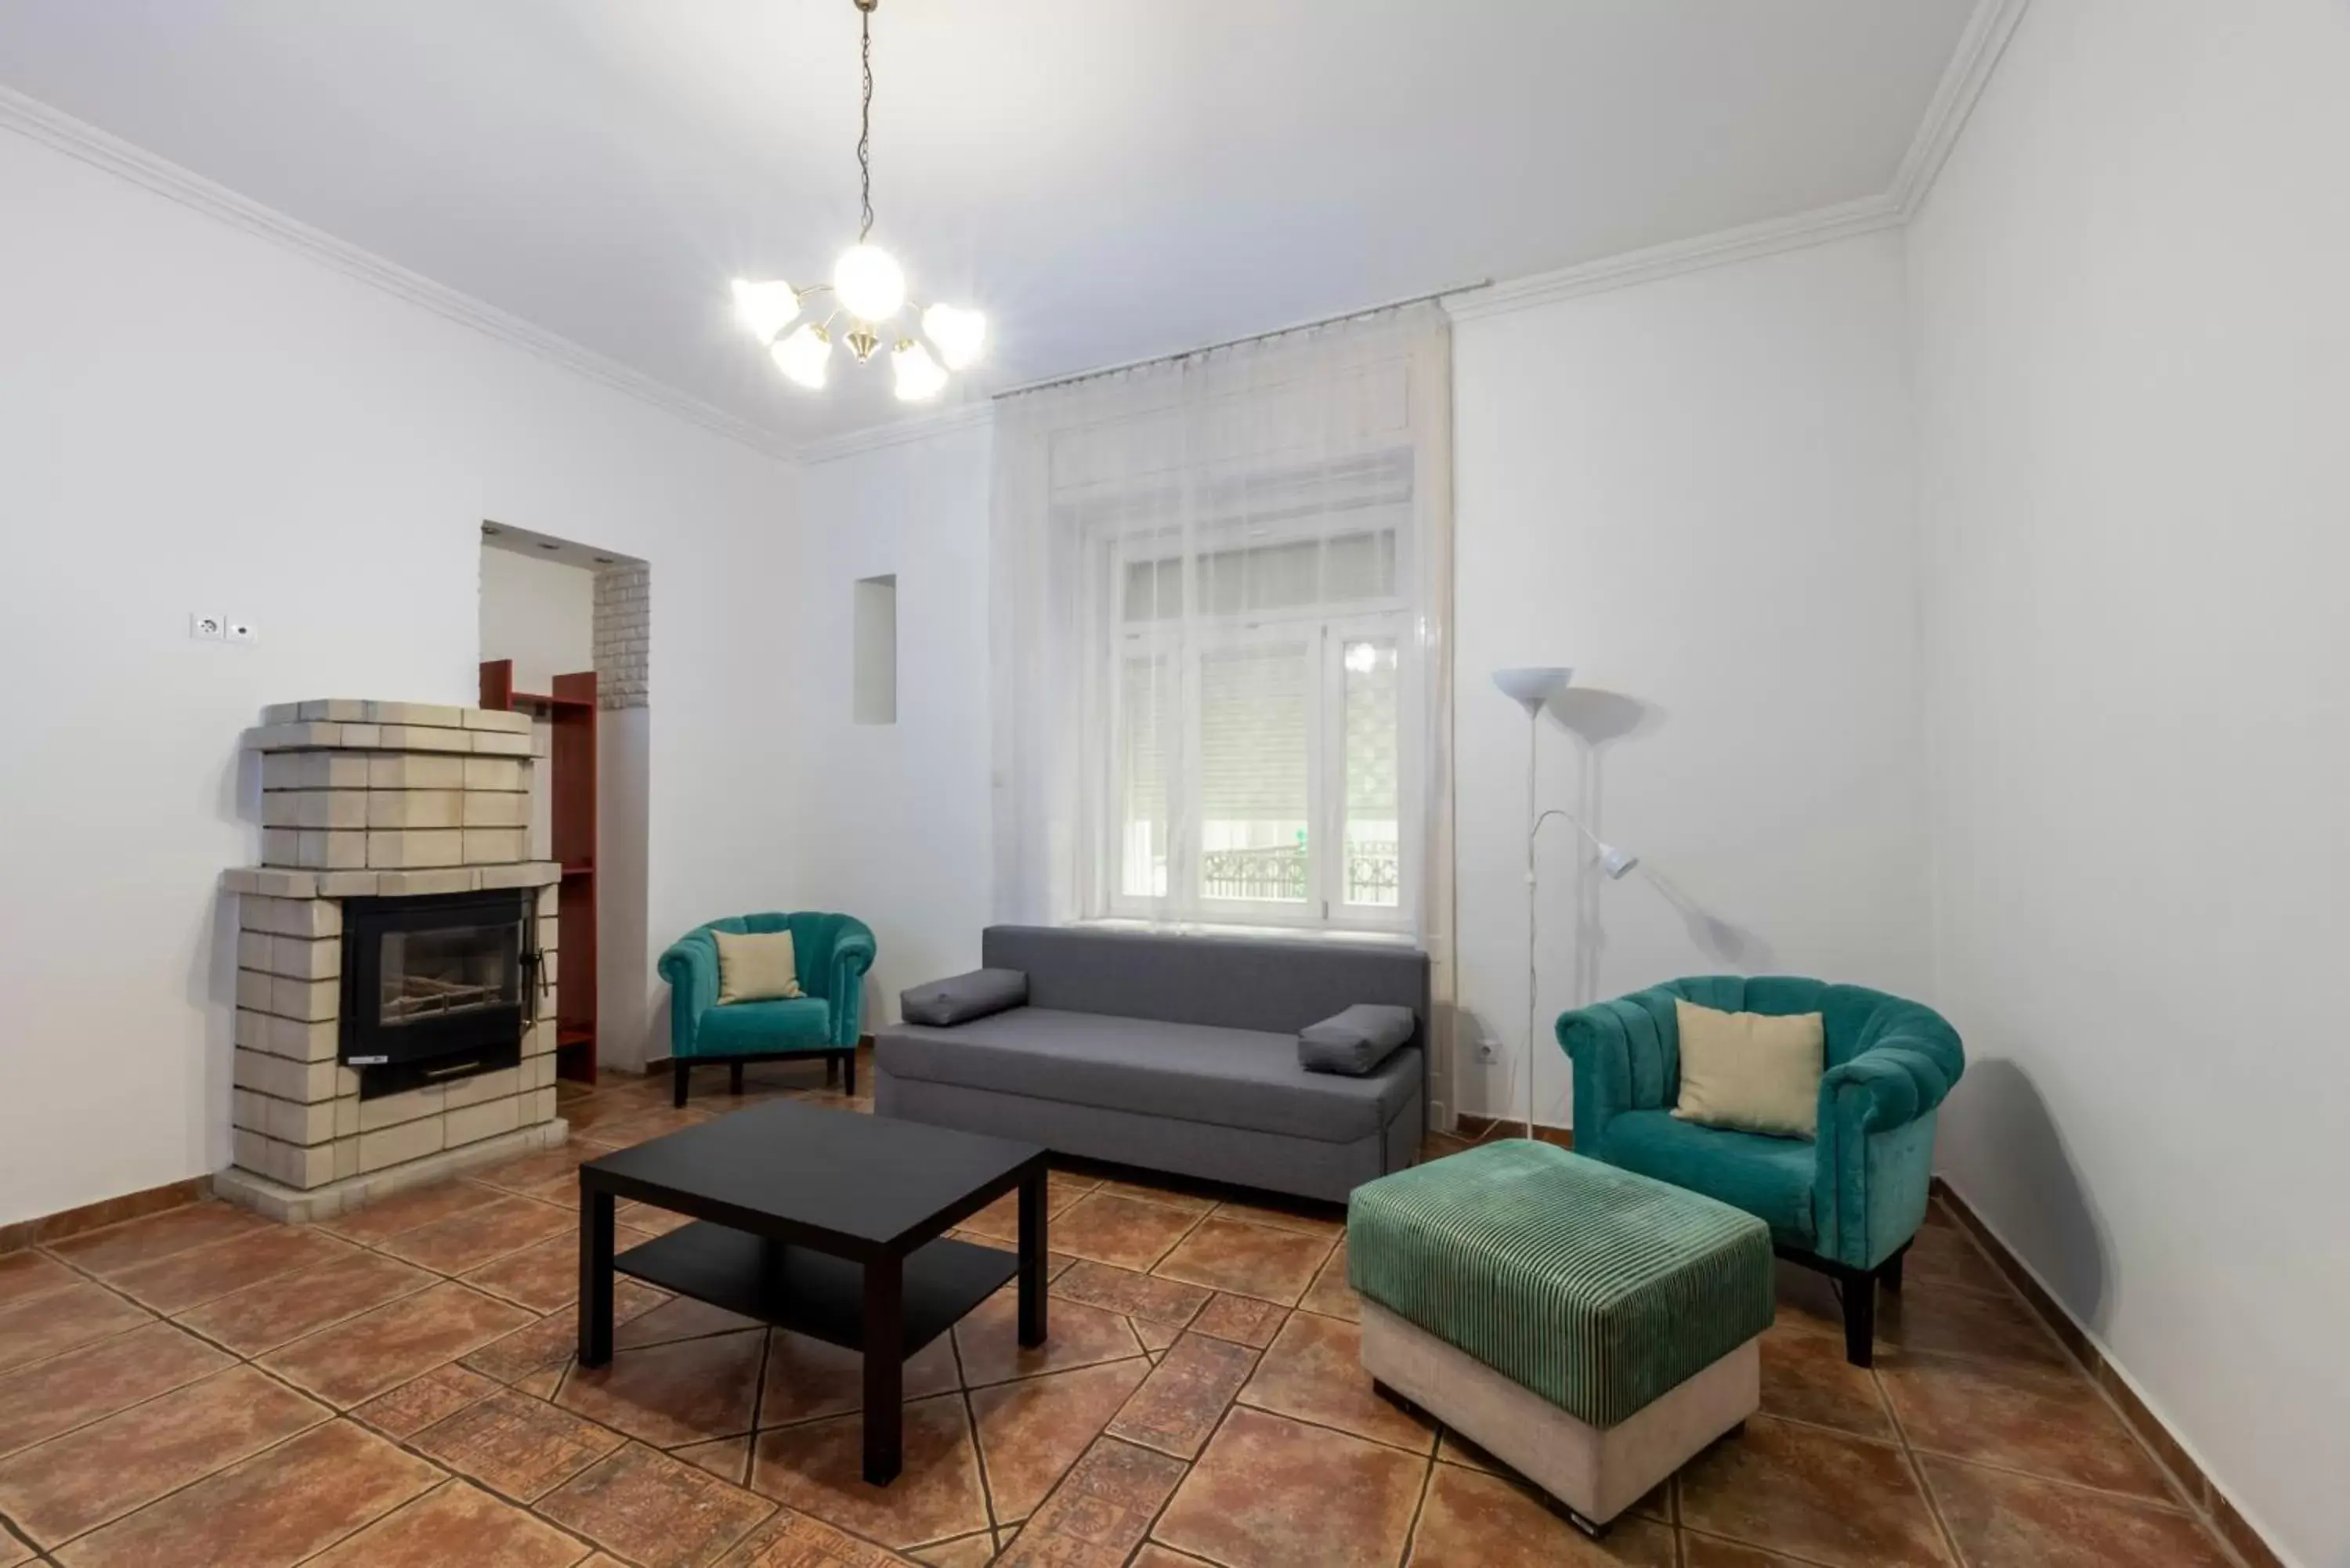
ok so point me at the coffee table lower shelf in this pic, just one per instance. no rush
(814, 1293)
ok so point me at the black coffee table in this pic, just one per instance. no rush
(823, 1221)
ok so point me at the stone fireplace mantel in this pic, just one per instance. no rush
(372, 801)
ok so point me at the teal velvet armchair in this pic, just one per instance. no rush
(832, 952)
(1846, 1202)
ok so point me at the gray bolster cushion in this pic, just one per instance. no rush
(965, 997)
(1356, 1041)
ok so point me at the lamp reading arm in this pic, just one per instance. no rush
(1615, 862)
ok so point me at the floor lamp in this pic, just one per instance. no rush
(1531, 689)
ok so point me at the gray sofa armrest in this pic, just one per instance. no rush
(963, 997)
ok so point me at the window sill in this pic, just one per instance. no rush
(1264, 933)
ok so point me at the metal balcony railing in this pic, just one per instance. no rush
(1278, 874)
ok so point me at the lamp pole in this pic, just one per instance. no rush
(1531, 687)
(1533, 826)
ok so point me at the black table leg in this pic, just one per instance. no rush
(1031, 1259)
(595, 1277)
(1860, 1317)
(885, 1352)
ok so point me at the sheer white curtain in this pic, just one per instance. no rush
(1221, 658)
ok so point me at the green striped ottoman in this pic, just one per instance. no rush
(1590, 1327)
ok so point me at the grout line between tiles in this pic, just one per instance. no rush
(1435, 1433)
(109, 1415)
(151, 1317)
(445, 1482)
(1943, 1530)
(1168, 1501)
(1779, 1553)
(758, 1404)
(1420, 1504)
(432, 1278)
(1798, 1421)
(1430, 1458)
(326, 1420)
(1966, 1222)
(2061, 1483)
(978, 1453)
(169, 1257)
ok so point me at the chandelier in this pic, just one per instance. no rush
(869, 288)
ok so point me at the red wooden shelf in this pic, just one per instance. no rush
(569, 713)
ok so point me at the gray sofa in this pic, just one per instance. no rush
(1176, 1053)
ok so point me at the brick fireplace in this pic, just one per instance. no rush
(396, 957)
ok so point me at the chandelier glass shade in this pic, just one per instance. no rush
(805, 356)
(868, 292)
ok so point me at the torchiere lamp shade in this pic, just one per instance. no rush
(1533, 685)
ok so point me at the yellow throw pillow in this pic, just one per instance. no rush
(1752, 1071)
(759, 967)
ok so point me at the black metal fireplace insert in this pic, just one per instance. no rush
(436, 989)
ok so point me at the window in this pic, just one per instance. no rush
(1220, 587)
(1259, 744)
(1370, 752)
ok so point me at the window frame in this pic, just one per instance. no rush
(1396, 625)
(1324, 628)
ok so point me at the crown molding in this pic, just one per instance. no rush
(1987, 30)
(76, 138)
(1955, 96)
(898, 432)
(1816, 227)
(1986, 34)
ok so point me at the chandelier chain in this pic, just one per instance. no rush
(865, 129)
(868, 287)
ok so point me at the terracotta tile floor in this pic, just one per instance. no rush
(396, 1389)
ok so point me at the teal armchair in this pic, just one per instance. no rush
(833, 953)
(1848, 1201)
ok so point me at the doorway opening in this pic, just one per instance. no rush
(566, 638)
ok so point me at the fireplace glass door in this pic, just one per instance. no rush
(433, 975)
(436, 989)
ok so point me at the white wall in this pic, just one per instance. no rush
(631, 1000)
(1699, 488)
(194, 417)
(539, 613)
(1698, 493)
(2132, 339)
(898, 814)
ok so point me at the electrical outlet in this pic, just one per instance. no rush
(1489, 1052)
(241, 631)
(206, 625)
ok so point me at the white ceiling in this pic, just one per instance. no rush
(1108, 178)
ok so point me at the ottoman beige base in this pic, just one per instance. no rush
(1597, 1472)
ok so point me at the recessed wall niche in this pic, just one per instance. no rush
(874, 694)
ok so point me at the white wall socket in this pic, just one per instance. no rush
(207, 626)
(1489, 1051)
(243, 631)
